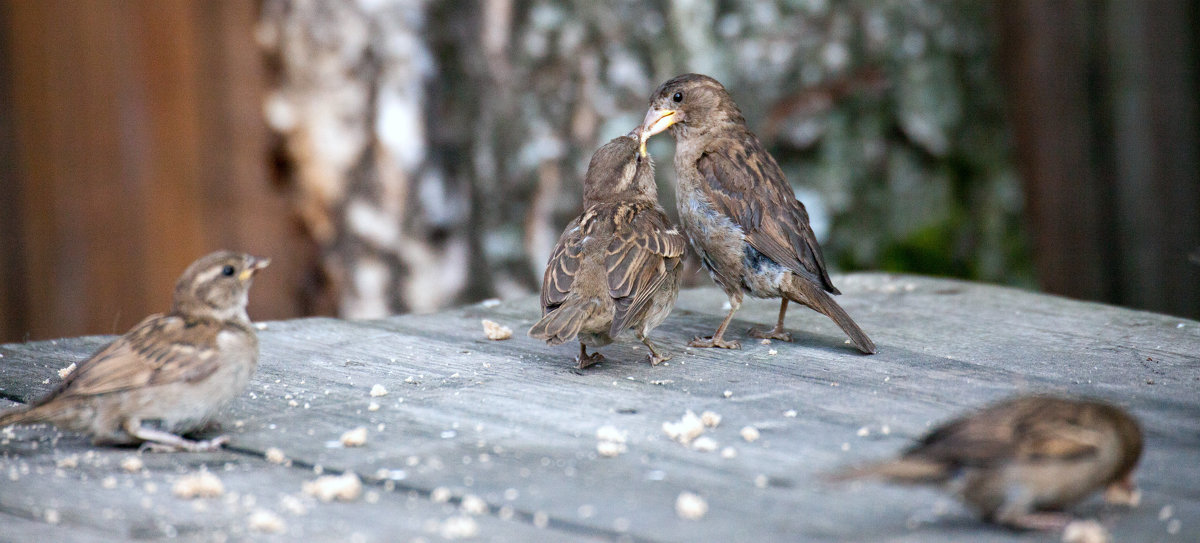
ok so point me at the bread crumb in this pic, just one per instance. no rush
(109, 482)
(750, 434)
(1173, 526)
(474, 505)
(266, 522)
(710, 419)
(863, 432)
(199, 485)
(541, 519)
(293, 505)
(705, 444)
(790, 413)
(1085, 531)
(459, 527)
(69, 462)
(132, 464)
(345, 487)
(52, 516)
(772, 352)
(377, 390)
(727, 393)
(260, 326)
(690, 506)
(611, 433)
(609, 449)
(63, 373)
(495, 332)
(274, 455)
(354, 438)
(373, 406)
(688, 428)
(760, 481)
(440, 494)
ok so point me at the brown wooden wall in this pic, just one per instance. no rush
(133, 143)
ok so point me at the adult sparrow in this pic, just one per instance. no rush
(1021, 461)
(171, 373)
(738, 211)
(616, 266)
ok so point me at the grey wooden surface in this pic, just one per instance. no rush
(513, 423)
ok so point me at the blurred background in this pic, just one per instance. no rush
(394, 156)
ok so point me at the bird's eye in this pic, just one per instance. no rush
(678, 97)
(227, 271)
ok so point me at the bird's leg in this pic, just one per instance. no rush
(1040, 521)
(776, 332)
(585, 360)
(160, 441)
(1123, 492)
(718, 339)
(655, 358)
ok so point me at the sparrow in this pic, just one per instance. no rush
(1021, 461)
(616, 266)
(171, 373)
(738, 211)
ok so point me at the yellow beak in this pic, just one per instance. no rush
(255, 265)
(656, 121)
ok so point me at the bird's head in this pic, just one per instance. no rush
(217, 285)
(619, 170)
(688, 103)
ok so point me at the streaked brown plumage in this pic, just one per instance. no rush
(738, 210)
(616, 266)
(171, 373)
(1019, 461)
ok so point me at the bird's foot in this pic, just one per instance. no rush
(774, 333)
(587, 361)
(1040, 521)
(655, 358)
(208, 445)
(708, 342)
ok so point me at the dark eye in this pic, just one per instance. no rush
(678, 97)
(227, 271)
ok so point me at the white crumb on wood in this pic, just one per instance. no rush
(705, 444)
(688, 428)
(495, 331)
(63, 373)
(354, 438)
(760, 481)
(772, 352)
(541, 519)
(275, 455)
(609, 449)
(863, 432)
(728, 452)
(109, 482)
(440, 494)
(750, 434)
(727, 393)
(1173, 526)
(1085, 531)
(458, 527)
(260, 326)
(346, 487)
(52, 516)
(292, 505)
(710, 419)
(377, 390)
(68, 462)
(611, 433)
(198, 485)
(473, 505)
(266, 522)
(790, 413)
(132, 464)
(373, 406)
(690, 506)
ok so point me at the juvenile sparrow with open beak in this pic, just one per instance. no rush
(171, 373)
(616, 266)
(738, 210)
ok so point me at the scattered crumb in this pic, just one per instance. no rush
(346, 487)
(688, 428)
(1173, 526)
(260, 326)
(293, 505)
(710, 419)
(609, 449)
(790, 413)
(690, 506)
(760, 481)
(378, 390)
(458, 527)
(373, 406)
(885, 429)
(541, 519)
(495, 332)
(863, 432)
(1085, 531)
(440, 494)
(275, 455)
(52, 516)
(727, 393)
(490, 302)
(772, 352)
(610, 441)
(63, 373)
(728, 452)
(69, 462)
(199, 485)
(354, 438)
(705, 444)
(266, 522)
(750, 434)
(109, 482)
(1166, 512)
(765, 342)
(474, 505)
(132, 464)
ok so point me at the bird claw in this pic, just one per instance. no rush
(707, 342)
(655, 360)
(774, 333)
(1041, 521)
(208, 445)
(582, 362)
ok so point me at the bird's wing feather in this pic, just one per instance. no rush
(644, 252)
(745, 183)
(562, 267)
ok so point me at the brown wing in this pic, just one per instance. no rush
(745, 183)
(562, 267)
(161, 349)
(644, 252)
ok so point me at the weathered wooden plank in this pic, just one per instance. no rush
(514, 424)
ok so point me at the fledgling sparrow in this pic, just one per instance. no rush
(616, 266)
(738, 210)
(171, 373)
(1021, 461)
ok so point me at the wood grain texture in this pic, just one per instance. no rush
(514, 424)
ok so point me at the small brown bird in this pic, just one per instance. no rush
(738, 211)
(616, 266)
(1021, 461)
(171, 373)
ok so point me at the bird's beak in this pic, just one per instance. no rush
(656, 121)
(1123, 492)
(255, 264)
(636, 135)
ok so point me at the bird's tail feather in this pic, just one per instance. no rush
(20, 415)
(903, 471)
(804, 292)
(562, 324)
